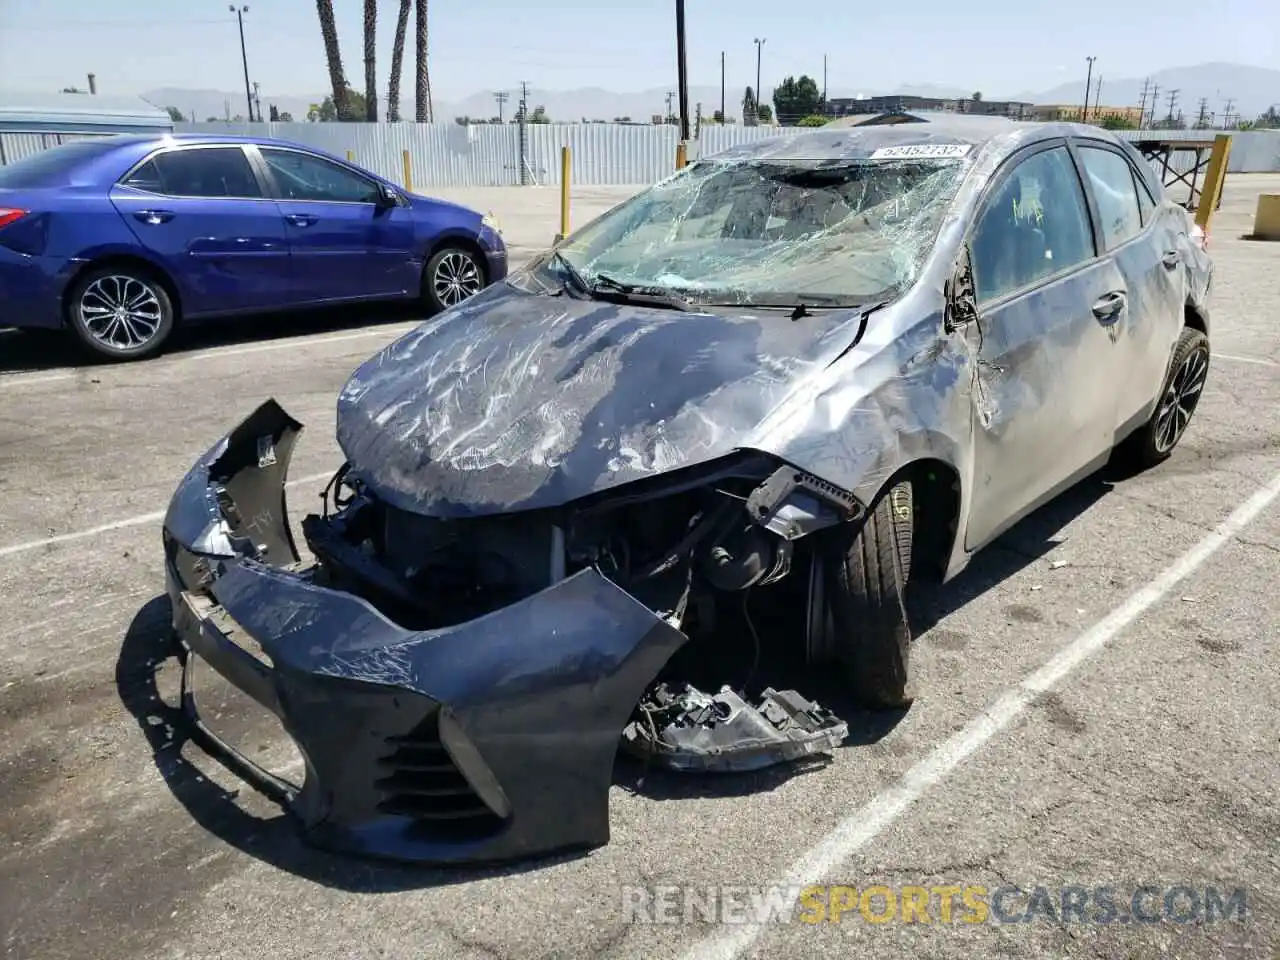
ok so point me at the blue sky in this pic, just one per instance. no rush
(1001, 47)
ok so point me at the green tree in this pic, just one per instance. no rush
(813, 120)
(1268, 120)
(326, 112)
(976, 96)
(539, 115)
(176, 115)
(793, 99)
(370, 61)
(286, 116)
(765, 113)
(750, 110)
(1116, 121)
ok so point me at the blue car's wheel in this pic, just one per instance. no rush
(120, 312)
(452, 275)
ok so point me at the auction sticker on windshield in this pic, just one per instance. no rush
(922, 151)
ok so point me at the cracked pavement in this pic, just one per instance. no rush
(1154, 763)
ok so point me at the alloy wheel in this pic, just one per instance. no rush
(457, 278)
(1180, 399)
(120, 312)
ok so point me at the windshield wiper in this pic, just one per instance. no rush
(607, 288)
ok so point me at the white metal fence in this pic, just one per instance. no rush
(451, 155)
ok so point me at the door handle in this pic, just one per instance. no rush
(300, 219)
(1109, 306)
(1171, 258)
(153, 216)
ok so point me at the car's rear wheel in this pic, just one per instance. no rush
(120, 312)
(453, 274)
(1179, 396)
(867, 565)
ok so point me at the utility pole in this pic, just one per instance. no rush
(1173, 100)
(522, 118)
(257, 99)
(760, 42)
(824, 83)
(1155, 102)
(697, 121)
(682, 73)
(1142, 104)
(1097, 97)
(1202, 116)
(501, 97)
(722, 116)
(244, 57)
(1226, 113)
(670, 96)
(1088, 88)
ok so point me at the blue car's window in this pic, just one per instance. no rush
(203, 172)
(1034, 225)
(1111, 180)
(53, 167)
(301, 176)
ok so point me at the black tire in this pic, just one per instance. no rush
(452, 275)
(1180, 393)
(868, 563)
(120, 312)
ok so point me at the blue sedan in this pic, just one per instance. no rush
(118, 239)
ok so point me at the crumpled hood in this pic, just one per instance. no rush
(516, 401)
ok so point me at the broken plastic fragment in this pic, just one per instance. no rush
(688, 730)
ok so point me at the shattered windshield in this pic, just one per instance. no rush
(772, 231)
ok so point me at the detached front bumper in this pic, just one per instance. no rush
(488, 740)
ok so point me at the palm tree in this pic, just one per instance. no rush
(337, 79)
(424, 80)
(370, 53)
(397, 62)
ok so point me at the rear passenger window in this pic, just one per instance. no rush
(204, 172)
(1146, 205)
(1035, 224)
(1111, 181)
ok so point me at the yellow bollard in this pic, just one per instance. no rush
(565, 167)
(1266, 219)
(682, 155)
(351, 157)
(408, 171)
(1217, 172)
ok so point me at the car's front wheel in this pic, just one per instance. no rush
(1179, 396)
(453, 274)
(120, 312)
(867, 565)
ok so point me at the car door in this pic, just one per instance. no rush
(1046, 363)
(344, 243)
(1147, 257)
(203, 212)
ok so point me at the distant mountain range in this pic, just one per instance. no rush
(1251, 90)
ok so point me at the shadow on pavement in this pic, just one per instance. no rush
(25, 350)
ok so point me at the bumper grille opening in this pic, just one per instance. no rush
(421, 781)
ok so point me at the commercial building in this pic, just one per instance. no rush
(1070, 113)
(31, 122)
(848, 106)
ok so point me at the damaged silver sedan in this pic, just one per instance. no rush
(727, 422)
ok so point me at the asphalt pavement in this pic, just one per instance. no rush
(1099, 701)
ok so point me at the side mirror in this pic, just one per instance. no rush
(387, 197)
(961, 301)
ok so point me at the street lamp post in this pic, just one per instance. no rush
(760, 41)
(244, 57)
(682, 72)
(1088, 87)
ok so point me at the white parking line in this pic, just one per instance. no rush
(387, 330)
(122, 524)
(860, 828)
(1237, 359)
